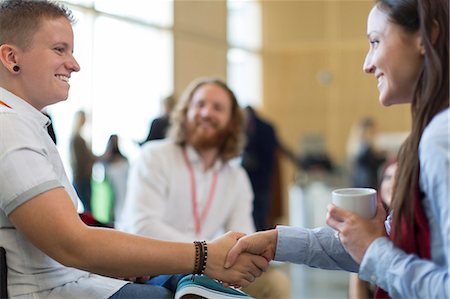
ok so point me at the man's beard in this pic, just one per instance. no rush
(201, 141)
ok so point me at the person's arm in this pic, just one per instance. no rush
(147, 198)
(313, 247)
(66, 239)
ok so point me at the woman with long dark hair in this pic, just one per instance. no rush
(409, 256)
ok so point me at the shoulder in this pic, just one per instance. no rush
(159, 145)
(164, 148)
(161, 120)
(17, 130)
(234, 168)
(436, 135)
(10, 117)
(434, 153)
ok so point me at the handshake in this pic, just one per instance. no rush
(237, 260)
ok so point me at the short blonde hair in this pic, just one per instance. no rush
(235, 140)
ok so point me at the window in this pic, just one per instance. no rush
(125, 54)
(244, 58)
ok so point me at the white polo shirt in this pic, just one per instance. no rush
(29, 165)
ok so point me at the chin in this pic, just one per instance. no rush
(60, 98)
(388, 99)
(383, 101)
(385, 104)
(63, 96)
(391, 102)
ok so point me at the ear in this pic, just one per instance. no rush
(434, 36)
(435, 32)
(8, 56)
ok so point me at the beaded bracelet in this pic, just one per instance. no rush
(201, 257)
(205, 255)
(198, 249)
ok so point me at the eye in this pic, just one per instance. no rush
(218, 107)
(59, 49)
(374, 43)
(198, 104)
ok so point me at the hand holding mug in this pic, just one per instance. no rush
(358, 218)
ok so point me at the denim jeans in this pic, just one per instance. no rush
(141, 291)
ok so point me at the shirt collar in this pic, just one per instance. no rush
(22, 107)
(195, 158)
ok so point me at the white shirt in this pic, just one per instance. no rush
(159, 195)
(30, 165)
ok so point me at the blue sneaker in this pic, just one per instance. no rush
(203, 286)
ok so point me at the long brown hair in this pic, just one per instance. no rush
(431, 95)
(178, 130)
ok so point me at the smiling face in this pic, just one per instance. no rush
(47, 63)
(208, 116)
(395, 58)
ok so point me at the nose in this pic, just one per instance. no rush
(72, 64)
(368, 66)
(205, 111)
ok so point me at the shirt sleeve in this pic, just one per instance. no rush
(318, 248)
(25, 169)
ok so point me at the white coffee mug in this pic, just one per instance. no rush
(362, 201)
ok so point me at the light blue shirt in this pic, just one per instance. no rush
(402, 275)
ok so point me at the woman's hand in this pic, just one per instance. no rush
(355, 232)
(246, 268)
(260, 243)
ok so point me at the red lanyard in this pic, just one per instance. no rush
(197, 217)
(4, 104)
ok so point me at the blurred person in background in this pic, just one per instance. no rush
(160, 125)
(365, 159)
(116, 172)
(260, 159)
(81, 160)
(185, 187)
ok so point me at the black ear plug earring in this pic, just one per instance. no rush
(16, 68)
